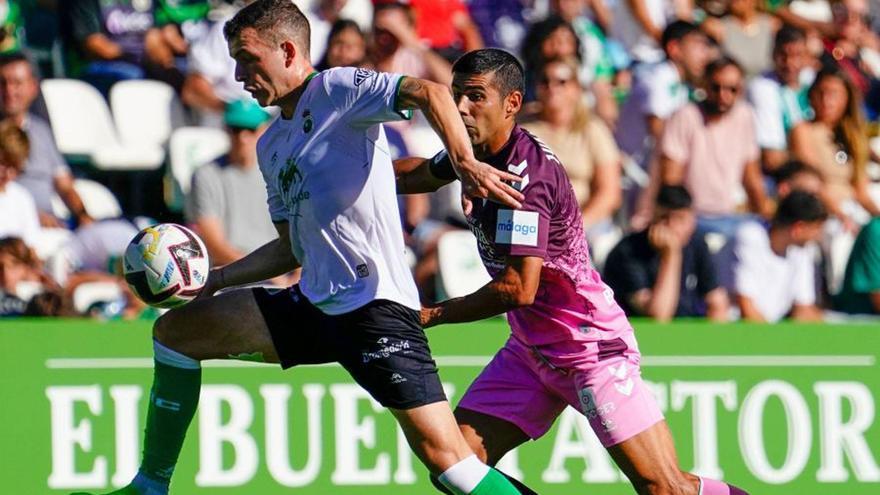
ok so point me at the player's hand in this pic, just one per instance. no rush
(481, 180)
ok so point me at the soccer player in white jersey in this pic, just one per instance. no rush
(570, 342)
(332, 197)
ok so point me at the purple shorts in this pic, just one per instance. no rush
(522, 387)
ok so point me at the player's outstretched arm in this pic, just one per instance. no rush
(478, 179)
(414, 176)
(268, 261)
(515, 286)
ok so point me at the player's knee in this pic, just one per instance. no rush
(167, 330)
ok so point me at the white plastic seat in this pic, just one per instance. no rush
(189, 148)
(143, 111)
(98, 201)
(460, 267)
(83, 129)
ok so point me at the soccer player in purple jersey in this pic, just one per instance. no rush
(570, 344)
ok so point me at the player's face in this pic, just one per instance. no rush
(262, 67)
(480, 105)
(18, 88)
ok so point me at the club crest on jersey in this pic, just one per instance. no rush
(308, 121)
(361, 75)
(289, 175)
(517, 227)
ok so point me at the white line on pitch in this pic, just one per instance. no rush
(477, 361)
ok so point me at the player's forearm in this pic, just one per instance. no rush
(664, 295)
(438, 107)
(489, 301)
(414, 176)
(268, 261)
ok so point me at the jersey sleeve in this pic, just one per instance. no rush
(366, 97)
(441, 166)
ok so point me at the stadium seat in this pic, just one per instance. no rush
(461, 270)
(88, 294)
(98, 201)
(84, 130)
(190, 148)
(144, 111)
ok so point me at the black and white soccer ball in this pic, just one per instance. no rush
(166, 265)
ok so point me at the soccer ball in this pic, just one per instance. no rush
(166, 265)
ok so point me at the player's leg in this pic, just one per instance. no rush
(433, 434)
(226, 326)
(651, 463)
(384, 348)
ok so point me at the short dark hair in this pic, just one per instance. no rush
(508, 72)
(722, 63)
(677, 31)
(799, 206)
(531, 52)
(674, 198)
(13, 57)
(788, 34)
(791, 168)
(273, 19)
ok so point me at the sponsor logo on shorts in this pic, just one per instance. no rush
(363, 271)
(626, 387)
(386, 350)
(618, 372)
(396, 378)
(589, 407)
(517, 227)
(609, 425)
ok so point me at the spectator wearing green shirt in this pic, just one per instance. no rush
(860, 293)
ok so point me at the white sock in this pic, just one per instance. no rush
(465, 475)
(173, 358)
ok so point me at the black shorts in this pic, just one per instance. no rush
(382, 345)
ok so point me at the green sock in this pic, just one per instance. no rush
(173, 402)
(495, 484)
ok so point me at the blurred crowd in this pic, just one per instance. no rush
(724, 152)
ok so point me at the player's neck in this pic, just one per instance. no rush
(288, 102)
(494, 144)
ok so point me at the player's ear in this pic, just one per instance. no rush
(513, 103)
(289, 52)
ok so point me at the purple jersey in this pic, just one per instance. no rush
(572, 302)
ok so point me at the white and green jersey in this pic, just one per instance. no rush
(328, 173)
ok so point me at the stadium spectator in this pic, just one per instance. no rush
(446, 26)
(502, 23)
(113, 40)
(11, 26)
(45, 172)
(210, 80)
(396, 46)
(227, 201)
(323, 14)
(582, 142)
(666, 270)
(775, 273)
(860, 292)
(346, 46)
(710, 147)
(552, 37)
(640, 24)
(18, 213)
(794, 175)
(661, 89)
(779, 98)
(179, 23)
(19, 266)
(745, 34)
(835, 143)
(598, 69)
(853, 48)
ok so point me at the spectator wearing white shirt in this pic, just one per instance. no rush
(18, 213)
(775, 272)
(780, 98)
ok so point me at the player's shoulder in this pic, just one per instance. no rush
(347, 77)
